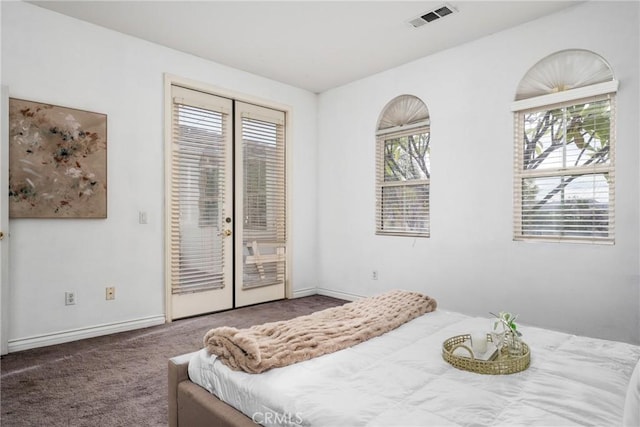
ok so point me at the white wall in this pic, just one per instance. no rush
(56, 59)
(470, 263)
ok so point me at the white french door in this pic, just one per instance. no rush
(261, 238)
(226, 219)
(200, 211)
(4, 219)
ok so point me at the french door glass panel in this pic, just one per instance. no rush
(261, 241)
(201, 203)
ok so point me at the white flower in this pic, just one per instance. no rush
(74, 172)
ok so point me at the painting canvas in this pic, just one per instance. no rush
(57, 161)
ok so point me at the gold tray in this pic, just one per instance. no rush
(505, 363)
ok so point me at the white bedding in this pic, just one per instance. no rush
(401, 379)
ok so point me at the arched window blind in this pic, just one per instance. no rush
(403, 168)
(564, 176)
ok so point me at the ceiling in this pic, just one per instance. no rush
(314, 45)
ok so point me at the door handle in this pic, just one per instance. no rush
(227, 233)
(1, 235)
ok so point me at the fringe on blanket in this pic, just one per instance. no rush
(277, 344)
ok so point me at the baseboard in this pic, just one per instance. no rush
(326, 292)
(82, 333)
(21, 344)
(338, 294)
(307, 292)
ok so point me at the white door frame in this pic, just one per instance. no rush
(4, 220)
(171, 79)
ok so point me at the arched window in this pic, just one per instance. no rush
(403, 168)
(564, 113)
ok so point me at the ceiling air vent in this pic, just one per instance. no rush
(432, 15)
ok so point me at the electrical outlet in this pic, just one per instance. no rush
(374, 275)
(111, 293)
(69, 298)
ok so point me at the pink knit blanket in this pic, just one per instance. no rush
(277, 344)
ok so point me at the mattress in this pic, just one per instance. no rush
(400, 379)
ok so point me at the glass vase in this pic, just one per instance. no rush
(513, 343)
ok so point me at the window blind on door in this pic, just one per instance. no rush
(198, 176)
(263, 197)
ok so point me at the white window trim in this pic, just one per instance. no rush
(563, 99)
(383, 136)
(565, 96)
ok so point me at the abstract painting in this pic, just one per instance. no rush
(57, 161)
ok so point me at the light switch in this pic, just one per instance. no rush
(143, 218)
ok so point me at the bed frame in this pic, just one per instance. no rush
(192, 406)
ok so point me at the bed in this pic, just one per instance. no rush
(400, 379)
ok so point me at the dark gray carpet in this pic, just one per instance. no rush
(120, 379)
